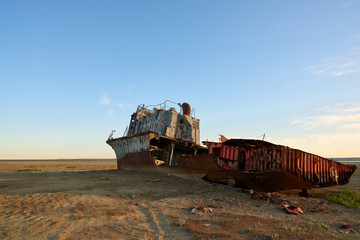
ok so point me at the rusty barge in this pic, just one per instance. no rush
(164, 138)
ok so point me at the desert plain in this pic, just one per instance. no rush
(91, 199)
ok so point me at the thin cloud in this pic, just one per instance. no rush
(343, 116)
(332, 128)
(351, 126)
(104, 100)
(346, 5)
(344, 63)
(320, 139)
(120, 105)
(322, 120)
(334, 138)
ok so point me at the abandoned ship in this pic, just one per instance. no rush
(163, 138)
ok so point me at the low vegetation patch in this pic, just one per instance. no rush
(70, 167)
(324, 226)
(349, 198)
(181, 222)
(29, 170)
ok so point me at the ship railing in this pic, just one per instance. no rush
(164, 105)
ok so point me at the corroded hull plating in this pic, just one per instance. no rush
(167, 140)
(264, 166)
(150, 151)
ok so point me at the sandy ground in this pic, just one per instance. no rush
(84, 199)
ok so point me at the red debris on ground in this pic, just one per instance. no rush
(293, 210)
(261, 196)
(345, 228)
(202, 209)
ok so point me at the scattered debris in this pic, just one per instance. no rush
(206, 224)
(265, 196)
(345, 228)
(293, 210)
(202, 209)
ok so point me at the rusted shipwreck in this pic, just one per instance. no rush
(155, 137)
(164, 139)
(263, 166)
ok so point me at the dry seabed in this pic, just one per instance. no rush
(111, 204)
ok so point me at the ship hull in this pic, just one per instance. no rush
(165, 140)
(268, 167)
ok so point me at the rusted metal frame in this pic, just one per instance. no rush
(254, 157)
(342, 174)
(301, 167)
(291, 163)
(294, 161)
(236, 153)
(222, 151)
(246, 158)
(311, 167)
(316, 170)
(324, 170)
(289, 160)
(327, 171)
(231, 153)
(252, 160)
(265, 162)
(323, 164)
(297, 164)
(261, 159)
(286, 165)
(320, 172)
(264, 159)
(283, 158)
(287, 155)
(340, 178)
(308, 167)
(306, 173)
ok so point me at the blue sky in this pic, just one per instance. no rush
(70, 71)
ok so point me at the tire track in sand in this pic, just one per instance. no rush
(160, 224)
